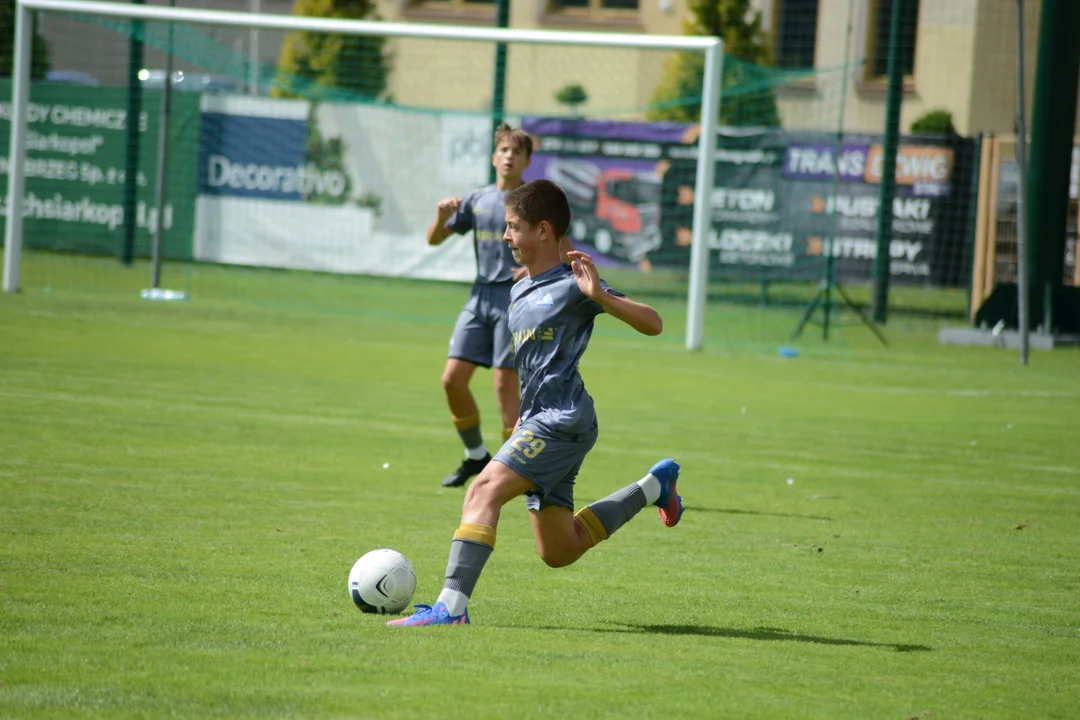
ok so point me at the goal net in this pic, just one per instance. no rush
(314, 146)
(307, 144)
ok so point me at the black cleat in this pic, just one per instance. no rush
(468, 469)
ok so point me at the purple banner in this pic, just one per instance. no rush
(612, 174)
(819, 162)
(659, 132)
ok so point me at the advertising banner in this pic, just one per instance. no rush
(782, 200)
(612, 173)
(824, 198)
(76, 169)
(335, 187)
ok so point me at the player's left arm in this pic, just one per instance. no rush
(639, 316)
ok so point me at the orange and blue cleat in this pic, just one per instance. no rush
(669, 502)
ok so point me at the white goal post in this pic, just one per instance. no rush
(710, 47)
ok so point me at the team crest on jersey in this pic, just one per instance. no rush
(545, 302)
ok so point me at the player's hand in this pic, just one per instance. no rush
(586, 274)
(448, 207)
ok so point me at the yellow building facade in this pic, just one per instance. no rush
(964, 59)
(460, 75)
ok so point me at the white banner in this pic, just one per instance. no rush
(334, 187)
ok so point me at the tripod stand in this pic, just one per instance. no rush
(823, 297)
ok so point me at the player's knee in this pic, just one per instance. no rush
(482, 492)
(454, 381)
(558, 558)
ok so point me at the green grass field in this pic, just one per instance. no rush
(871, 532)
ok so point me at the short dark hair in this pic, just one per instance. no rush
(517, 137)
(540, 200)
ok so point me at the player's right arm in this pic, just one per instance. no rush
(444, 211)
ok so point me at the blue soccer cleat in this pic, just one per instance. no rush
(429, 615)
(669, 502)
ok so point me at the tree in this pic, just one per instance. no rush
(935, 121)
(323, 65)
(572, 96)
(328, 155)
(39, 50)
(747, 94)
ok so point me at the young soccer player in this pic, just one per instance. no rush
(481, 336)
(551, 317)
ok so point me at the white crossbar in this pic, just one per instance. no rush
(367, 27)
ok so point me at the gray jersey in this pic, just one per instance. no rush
(551, 322)
(483, 212)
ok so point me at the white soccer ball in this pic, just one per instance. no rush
(382, 581)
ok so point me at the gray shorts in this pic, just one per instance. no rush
(551, 463)
(482, 333)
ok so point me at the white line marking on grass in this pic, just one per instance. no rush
(876, 389)
(403, 425)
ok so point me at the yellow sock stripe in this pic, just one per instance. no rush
(477, 533)
(464, 423)
(507, 432)
(592, 525)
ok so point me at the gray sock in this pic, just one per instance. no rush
(466, 562)
(472, 437)
(619, 507)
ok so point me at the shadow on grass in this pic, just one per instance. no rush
(732, 511)
(761, 633)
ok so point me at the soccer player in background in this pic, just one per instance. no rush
(481, 336)
(551, 318)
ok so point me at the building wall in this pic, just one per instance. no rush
(426, 73)
(942, 78)
(820, 101)
(993, 96)
(459, 75)
(965, 62)
(944, 62)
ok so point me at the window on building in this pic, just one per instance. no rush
(594, 7)
(795, 32)
(454, 6)
(877, 57)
